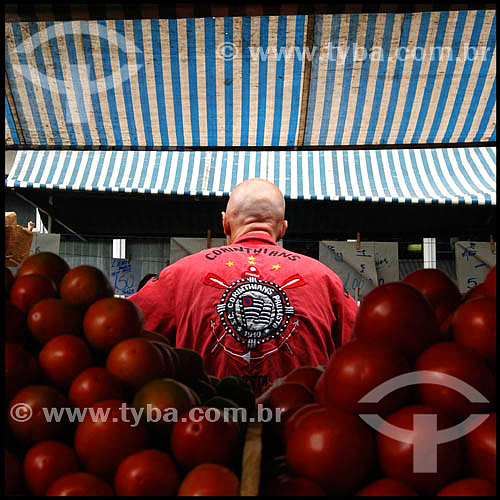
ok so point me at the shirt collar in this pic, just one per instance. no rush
(255, 237)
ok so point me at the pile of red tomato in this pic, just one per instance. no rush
(322, 446)
(69, 343)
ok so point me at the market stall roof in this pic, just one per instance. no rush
(288, 81)
(440, 176)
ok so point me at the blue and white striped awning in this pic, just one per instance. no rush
(445, 176)
(381, 78)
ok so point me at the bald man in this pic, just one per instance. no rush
(251, 308)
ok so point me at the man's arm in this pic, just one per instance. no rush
(345, 309)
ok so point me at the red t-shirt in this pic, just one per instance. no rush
(251, 309)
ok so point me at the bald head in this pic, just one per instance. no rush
(255, 205)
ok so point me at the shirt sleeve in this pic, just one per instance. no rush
(345, 308)
(156, 301)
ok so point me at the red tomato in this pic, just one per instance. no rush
(21, 369)
(445, 328)
(46, 263)
(79, 484)
(437, 288)
(357, 368)
(209, 480)
(147, 473)
(37, 428)
(396, 457)
(137, 361)
(475, 327)
(203, 438)
(93, 385)
(28, 290)
(12, 473)
(398, 315)
(45, 463)
(305, 375)
(470, 487)
(52, 317)
(320, 394)
(104, 442)
(111, 320)
(490, 282)
(163, 395)
(9, 279)
(84, 285)
(294, 418)
(475, 292)
(15, 324)
(387, 487)
(333, 448)
(293, 486)
(289, 395)
(481, 449)
(64, 357)
(453, 359)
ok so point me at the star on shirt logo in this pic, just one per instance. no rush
(251, 259)
(229, 263)
(276, 267)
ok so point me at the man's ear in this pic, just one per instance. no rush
(284, 227)
(225, 224)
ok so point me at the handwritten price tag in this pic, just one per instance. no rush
(473, 260)
(122, 277)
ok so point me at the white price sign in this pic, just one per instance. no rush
(473, 260)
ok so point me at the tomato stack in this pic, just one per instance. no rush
(407, 407)
(97, 405)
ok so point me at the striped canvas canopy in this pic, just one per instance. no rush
(320, 80)
(444, 176)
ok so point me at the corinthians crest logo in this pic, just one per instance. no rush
(253, 310)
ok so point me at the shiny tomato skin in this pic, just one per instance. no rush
(147, 473)
(9, 279)
(21, 369)
(37, 428)
(481, 449)
(103, 444)
(357, 368)
(46, 263)
(79, 484)
(320, 391)
(26, 291)
(387, 487)
(332, 448)
(198, 440)
(52, 317)
(437, 288)
(84, 285)
(396, 457)
(490, 282)
(209, 480)
(93, 385)
(136, 361)
(15, 324)
(468, 487)
(453, 359)
(12, 473)
(110, 320)
(63, 358)
(294, 486)
(397, 314)
(305, 375)
(293, 420)
(475, 327)
(46, 462)
(289, 395)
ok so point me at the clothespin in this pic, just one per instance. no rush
(358, 238)
(209, 238)
(492, 244)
